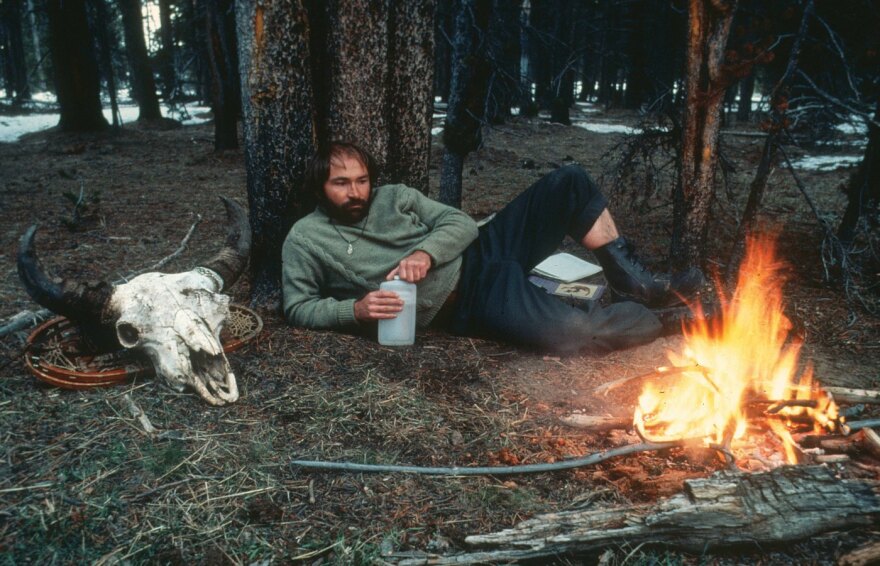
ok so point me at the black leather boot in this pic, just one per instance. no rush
(674, 319)
(629, 280)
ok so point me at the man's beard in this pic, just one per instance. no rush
(351, 212)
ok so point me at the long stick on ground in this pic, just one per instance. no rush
(489, 470)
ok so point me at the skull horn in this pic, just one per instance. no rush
(230, 262)
(82, 302)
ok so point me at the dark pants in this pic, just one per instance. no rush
(495, 298)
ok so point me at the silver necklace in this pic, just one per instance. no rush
(350, 243)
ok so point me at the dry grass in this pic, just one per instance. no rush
(81, 481)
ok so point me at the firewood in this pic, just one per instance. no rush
(596, 423)
(847, 395)
(725, 510)
(831, 458)
(862, 556)
(871, 441)
(867, 423)
(851, 444)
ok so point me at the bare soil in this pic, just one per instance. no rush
(80, 481)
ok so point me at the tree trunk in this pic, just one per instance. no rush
(39, 73)
(167, 53)
(746, 90)
(314, 72)
(863, 190)
(223, 55)
(637, 48)
(107, 43)
(442, 50)
(277, 105)
(143, 85)
(504, 53)
(726, 510)
(467, 100)
(562, 61)
(411, 54)
(10, 20)
(709, 27)
(77, 82)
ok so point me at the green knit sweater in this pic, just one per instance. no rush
(321, 281)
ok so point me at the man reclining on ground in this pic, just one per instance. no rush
(471, 282)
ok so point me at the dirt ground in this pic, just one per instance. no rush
(80, 481)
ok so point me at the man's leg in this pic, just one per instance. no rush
(495, 297)
(507, 307)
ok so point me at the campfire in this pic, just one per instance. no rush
(738, 372)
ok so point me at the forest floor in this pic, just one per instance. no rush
(80, 481)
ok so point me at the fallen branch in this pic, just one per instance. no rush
(725, 510)
(139, 414)
(489, 470)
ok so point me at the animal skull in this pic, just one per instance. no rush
(174, 318)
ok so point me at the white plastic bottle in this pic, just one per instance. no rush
(399, 331)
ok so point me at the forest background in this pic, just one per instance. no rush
(702, 120)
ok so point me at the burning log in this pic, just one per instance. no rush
(727, 509)
(596, 423)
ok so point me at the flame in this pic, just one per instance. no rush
(745, 355)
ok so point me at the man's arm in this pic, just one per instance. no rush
(451, 232)
(301, 283)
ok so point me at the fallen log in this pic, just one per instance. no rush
(726, 510)
(847, 395)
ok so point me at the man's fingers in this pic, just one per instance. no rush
(392, 273)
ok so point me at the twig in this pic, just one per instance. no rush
(180, 249)
(489, 470)
(139, 414)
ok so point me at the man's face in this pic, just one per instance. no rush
(347, 189)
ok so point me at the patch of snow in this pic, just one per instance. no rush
(13, 127)
(587, 107)
(854, 126)
(435, 131)
(826, 162)
(604, 128)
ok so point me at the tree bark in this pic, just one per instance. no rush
(107, 43)
(723, 511)
(10, 19)
(167, 53)
(863, 190)
(504, 54)
(77, 82)
(223, 56)
(278, 106)
(313, 72)
(142, 82)
(411, 58)
(462, 132)
(709, 27)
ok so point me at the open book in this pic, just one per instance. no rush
(566, 268)
(582, 291)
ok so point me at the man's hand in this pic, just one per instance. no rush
(378, 305)
(412, 268)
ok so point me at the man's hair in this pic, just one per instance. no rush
(318, 167)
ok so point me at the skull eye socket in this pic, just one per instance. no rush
(128, 335)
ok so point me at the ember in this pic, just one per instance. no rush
(743, 359)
